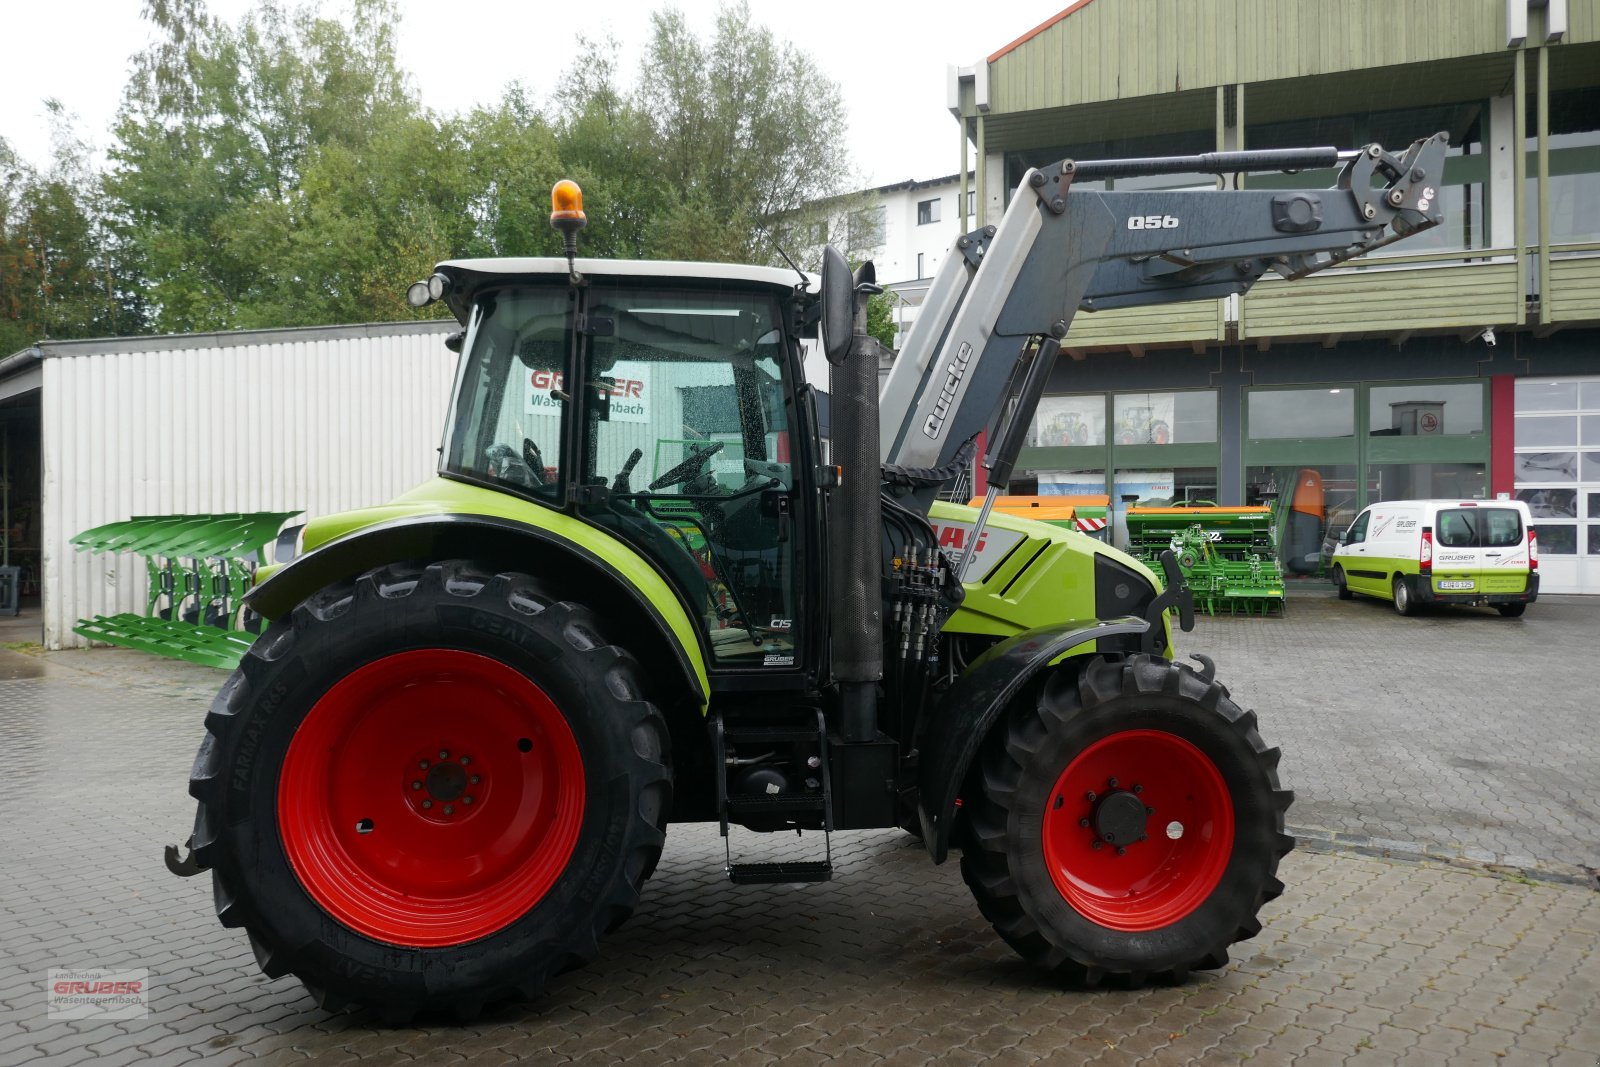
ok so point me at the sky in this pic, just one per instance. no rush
(888, 58)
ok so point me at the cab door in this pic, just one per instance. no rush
(1352, 552)
(1458, 552)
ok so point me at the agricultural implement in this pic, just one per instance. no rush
(1228, 556)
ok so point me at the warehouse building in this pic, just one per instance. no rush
(1464, 362)
(318, 420)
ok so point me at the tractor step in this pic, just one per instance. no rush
(796, 749)
(783, 804)
(773, 873)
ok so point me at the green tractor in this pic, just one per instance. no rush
(649, 586)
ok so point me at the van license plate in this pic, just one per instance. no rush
(1465, 584)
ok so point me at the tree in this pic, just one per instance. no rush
(744, 132)
(218, 130)
(61, 275)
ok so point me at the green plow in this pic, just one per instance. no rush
(1229, 556)
(200, 567)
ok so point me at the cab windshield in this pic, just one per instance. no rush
(685, 425)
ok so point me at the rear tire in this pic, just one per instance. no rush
(1340, 585)
(1403, 602)
(342, 855)
(1206, 865)
(1511, 611)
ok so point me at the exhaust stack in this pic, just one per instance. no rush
(855, 525)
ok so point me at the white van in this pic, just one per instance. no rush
(1441, 552)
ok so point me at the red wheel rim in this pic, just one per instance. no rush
(1133, 783)
(431, 798)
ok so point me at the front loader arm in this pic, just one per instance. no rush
(1004, 299)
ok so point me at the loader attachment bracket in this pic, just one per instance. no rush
(958, 724)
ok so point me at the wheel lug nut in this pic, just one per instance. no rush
(444, 754)
(1098, 845)
(1112, 782)
(474, 779)
(1111, 837)
(1089, 796)
(422, 763)
(1121, 851)
(466, 799)
(448, 810)
(1137, 788)
(1084, 823)
(465, 760)
(427, 803)
(416, 785)
(1148, 810)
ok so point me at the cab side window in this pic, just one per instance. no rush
(1358, 529)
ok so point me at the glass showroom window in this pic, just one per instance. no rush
(1071, 483)
(1069, 421)
(1164, 418)
(1314, 504)
(1301, 414)
(1426, 481)
(1164, 488)
(1426, 409)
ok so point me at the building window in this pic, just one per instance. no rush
(972, 202)
(1297, 414)
(1466, 172)
(1314, 503)
(1574, 187)
(1165, 488)
(927, 211)
(1165, 418)
(1428, 409)
(921, 270)
(1070, 421)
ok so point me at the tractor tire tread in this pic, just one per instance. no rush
(987, 813)
(579, 633)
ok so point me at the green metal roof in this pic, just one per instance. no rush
(1119, 53)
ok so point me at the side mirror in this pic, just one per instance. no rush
(1344, 537)
(838, 306)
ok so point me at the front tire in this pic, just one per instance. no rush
(1341, 585)
(1163, 893)
(430, 790)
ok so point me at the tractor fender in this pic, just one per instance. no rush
(607, 575)
(959, 723)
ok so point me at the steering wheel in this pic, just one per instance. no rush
(527, 472)
(691, 466)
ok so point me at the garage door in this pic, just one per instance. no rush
(1558, 474)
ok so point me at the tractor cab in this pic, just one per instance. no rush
(658, 404)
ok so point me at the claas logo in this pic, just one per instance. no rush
(956, 537)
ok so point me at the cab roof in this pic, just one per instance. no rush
(472, 274)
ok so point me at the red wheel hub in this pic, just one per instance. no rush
(431, 798)
(1138, 830)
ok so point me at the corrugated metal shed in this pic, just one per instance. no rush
(323, 419)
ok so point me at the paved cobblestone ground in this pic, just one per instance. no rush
(1363, 960)
(1456, 733)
